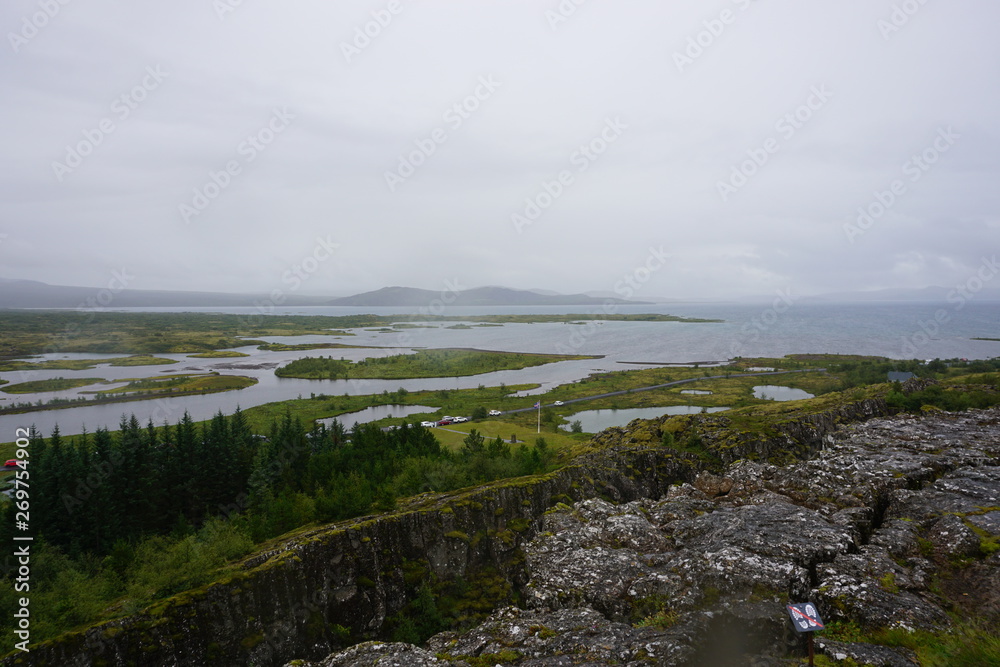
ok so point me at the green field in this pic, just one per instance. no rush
(182, 384)
(285, 347)
(136, 390)
(452, 436)
(422, 364)
(83, 364)
(55, 384)
(27, 332)
(24, 333)
(844, 372)
(442, 401)
(219, 354)
(159, 559)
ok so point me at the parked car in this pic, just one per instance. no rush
(428, 424)
(459, 420)
(558, 403)
(11, 463)
(494, 413)
(444, 422)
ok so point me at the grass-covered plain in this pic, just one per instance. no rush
(454, 435)
(28, 332)
(181, 384)
(296, 347)
(422, 364)
(135, 390)
(83, 364)
(454, 402)
(218, 354)
(151, 565)
(54, 384)
(24, 332)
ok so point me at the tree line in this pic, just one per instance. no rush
(123, 518)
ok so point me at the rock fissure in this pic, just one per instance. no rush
(876, 531)
(634, 553)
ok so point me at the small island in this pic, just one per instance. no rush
(423, 364)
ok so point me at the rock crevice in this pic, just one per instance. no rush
(634, 553)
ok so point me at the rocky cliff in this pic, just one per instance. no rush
(893, 530)
(635, 553)
(323, 589)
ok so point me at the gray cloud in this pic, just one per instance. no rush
(701, 88)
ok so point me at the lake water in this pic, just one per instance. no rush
(594, 421)
(895, 330)
(375, 413)
(776, 393)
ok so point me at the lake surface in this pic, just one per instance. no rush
(375, 413)
(896, 330)
(594, 421)
(775, 393)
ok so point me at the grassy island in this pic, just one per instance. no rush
(219, 354)
(28, 332)
(55, 384)
(135, 390)
(83, 364)
(183, 384)
(423, 364)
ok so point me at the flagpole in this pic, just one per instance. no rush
(538, 404)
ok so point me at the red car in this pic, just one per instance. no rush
(11, 463)
(445, 422)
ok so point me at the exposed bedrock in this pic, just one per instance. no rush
(634, 554)
(894, 525)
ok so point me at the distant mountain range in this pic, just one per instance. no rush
(478, 296)
(35, 294)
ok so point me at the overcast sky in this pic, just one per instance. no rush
(703, 149)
